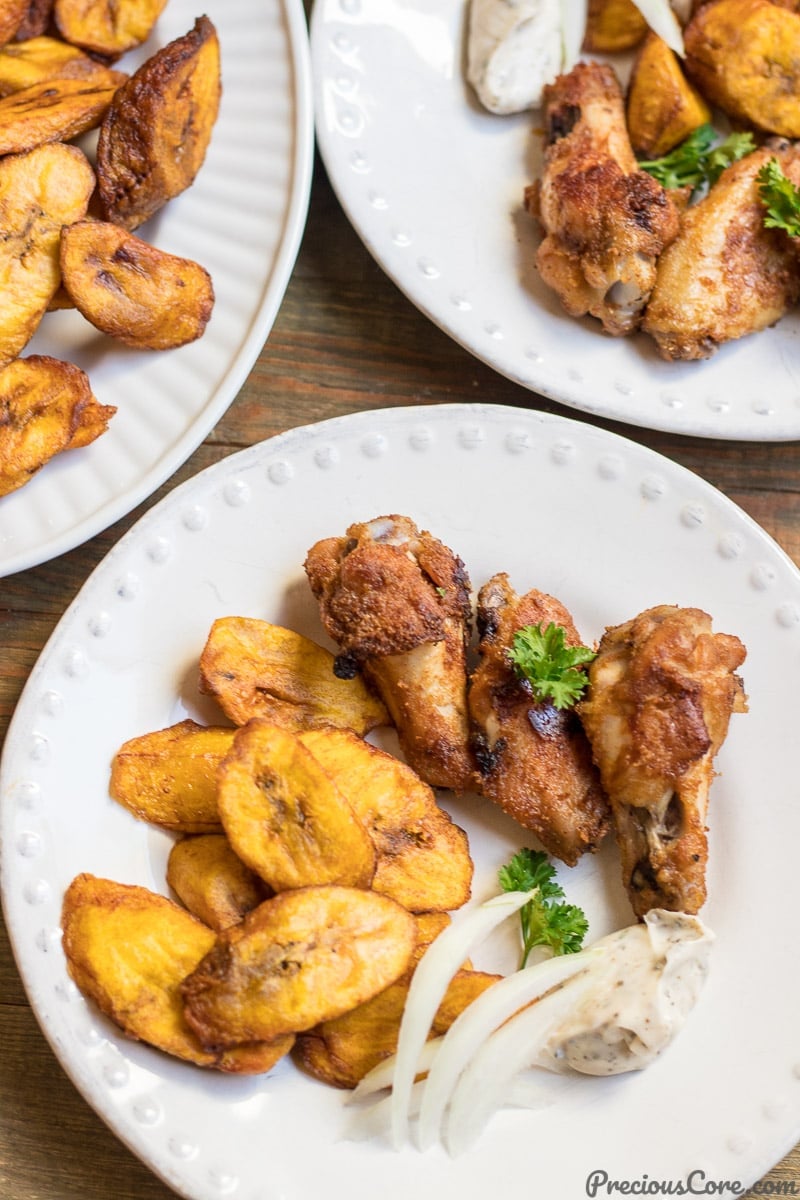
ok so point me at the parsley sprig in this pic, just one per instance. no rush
(545, 919)
(552, 668)
(697, 161)
(780, 197)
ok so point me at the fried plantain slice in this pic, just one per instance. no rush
(12, 14)
(305, 956)
(42, 59)
(46, 406)
(169, 777)
(342, 1051)
(154, 137)
(39, 193)
(423, 857)
(36, 19)
(255, 669)
(107, 27)
(210, 879)
(132, 291)
(54, 111)
(127, 950)
(284, 816)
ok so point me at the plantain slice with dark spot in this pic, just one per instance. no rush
(132, 291)
(107, 27)
(40, 192)
(46, 406)
(154, 137)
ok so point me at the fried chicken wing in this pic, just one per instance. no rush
(397, 603)
(534, 759)
(661, 693)
(605, 220)
(725, 275)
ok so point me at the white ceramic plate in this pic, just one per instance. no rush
(434, 186)
(604, 524)
(242, 219)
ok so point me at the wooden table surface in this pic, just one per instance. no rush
(345, 340)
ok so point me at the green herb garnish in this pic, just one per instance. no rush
(780, 197)
(545, 919)
(697, 161)
(549, 665)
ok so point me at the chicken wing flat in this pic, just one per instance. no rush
(605, 220)
(397, 603)
(725, 275)
(661, 692)
(535, 760)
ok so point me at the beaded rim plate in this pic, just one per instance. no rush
(243, 219)
(608, 526)
(434, 186)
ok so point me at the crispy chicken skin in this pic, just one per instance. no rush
(725, 275)
(605, 220)
(661, 693)
(396, 600)
(534, 759)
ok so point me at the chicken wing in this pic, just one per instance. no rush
(605, 220)
(534, 759)
(397, 603)
(661, 693)
(725, 275)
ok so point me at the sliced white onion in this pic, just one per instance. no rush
(574, 14)
(471, 1028)
(486, 1082)
(429, 983)
(381, 1076)
(662, 20)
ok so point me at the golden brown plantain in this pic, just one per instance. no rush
(662, 106)
(169, 777)
(285, 817)
(303, 957)
(255, 669)
(42, 59)
(128, 950)
(154, 137)
(423, 858)
(107, 27)
(210, 879)
(132, 291)
(46, 406)
(54, 111)
(40, 192)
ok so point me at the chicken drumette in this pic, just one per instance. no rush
(605, 220)
(661, 692)
(396, 601)
(534, 759)
(725, 275)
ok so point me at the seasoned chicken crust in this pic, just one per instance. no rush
(605, 220)
(534, 759)
(396, 601)
(662, 689)
(725, 275)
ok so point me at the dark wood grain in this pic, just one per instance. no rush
(345, 340)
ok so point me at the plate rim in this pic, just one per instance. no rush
(702, 426)
(231, 383)
(210, 477)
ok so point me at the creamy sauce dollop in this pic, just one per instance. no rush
(514, 48)
(642, 990)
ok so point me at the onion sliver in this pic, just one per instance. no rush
(574, 14)
(474, 1025)
(381, 1076)
(429, 983)
(662, 20)
(485, 1083)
